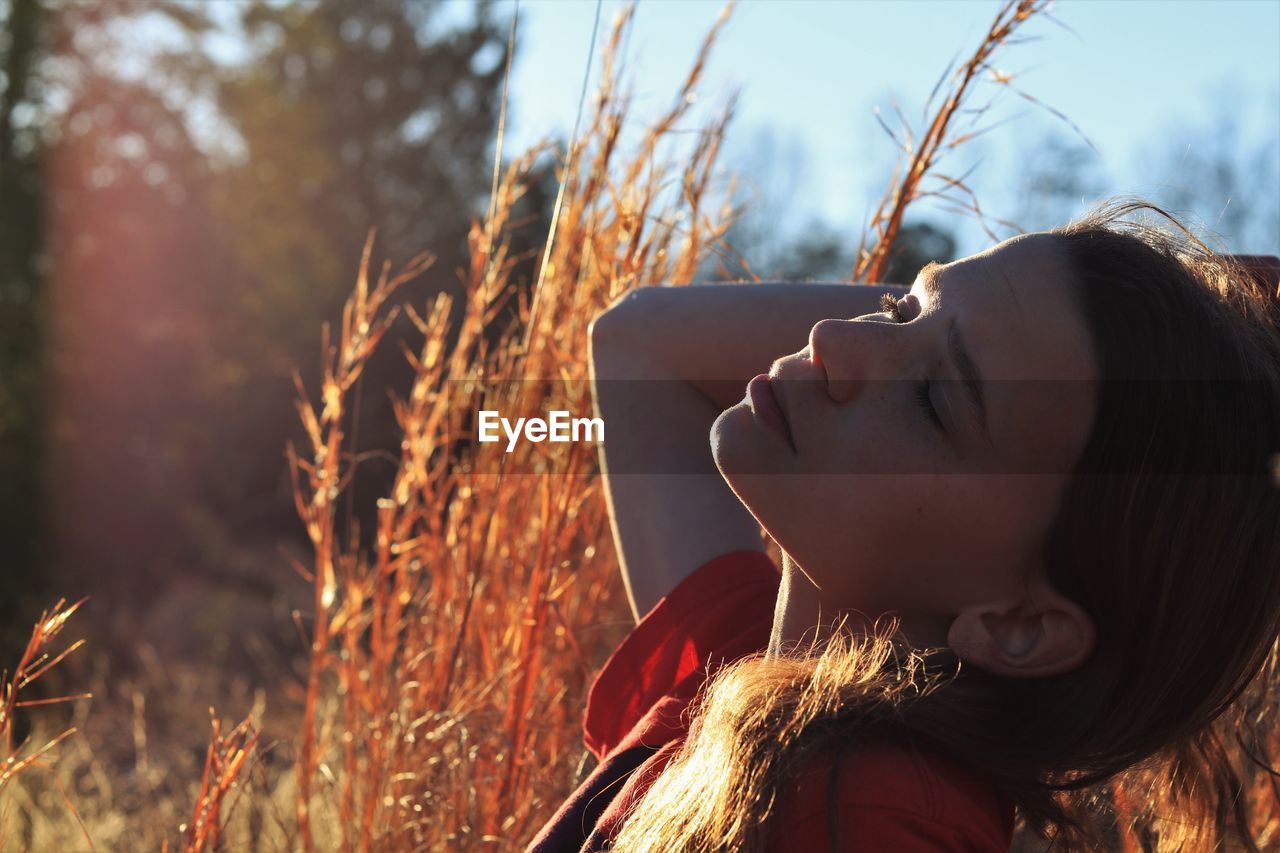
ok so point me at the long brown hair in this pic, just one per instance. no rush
(1168, 535)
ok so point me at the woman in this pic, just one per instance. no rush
(1030, 540)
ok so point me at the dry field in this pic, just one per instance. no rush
(440, 706)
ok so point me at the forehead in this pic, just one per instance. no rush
(1015, 308)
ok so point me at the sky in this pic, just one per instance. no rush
(1131, 74)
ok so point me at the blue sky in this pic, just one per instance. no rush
(1137, 77)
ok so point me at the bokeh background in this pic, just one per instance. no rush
(185, 189)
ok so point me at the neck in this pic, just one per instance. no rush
(800, 619)
(797, 616)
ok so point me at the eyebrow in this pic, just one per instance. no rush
(960, 355)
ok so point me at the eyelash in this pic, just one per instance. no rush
(889, 305)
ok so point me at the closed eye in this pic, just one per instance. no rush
(889, 305)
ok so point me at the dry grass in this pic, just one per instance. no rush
(37, 660)
(448, 667)
(947, 129)
(229, 755)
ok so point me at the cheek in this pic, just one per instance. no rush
(914, 543)
(1049, 429)
(975, 542)
(887, 541)
(849, 534)
(973, 516)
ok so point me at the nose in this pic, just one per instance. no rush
(852, 353)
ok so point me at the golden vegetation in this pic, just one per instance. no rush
(449, 665)
(38, 659)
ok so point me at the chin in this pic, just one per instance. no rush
(736, 442)
(747, 458)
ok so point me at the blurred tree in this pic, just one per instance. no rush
(1059, 176)
(1210, 168)
(818, 253)
(204, 217)
(821, 254)
(349, 114)
(918, 243)
(771, 177)
(22, 532)
(94, 162)
(774, 181)
(132, 250)
(1207, 170)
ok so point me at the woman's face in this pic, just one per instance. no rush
(882, 508)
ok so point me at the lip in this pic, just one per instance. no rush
(767, 407)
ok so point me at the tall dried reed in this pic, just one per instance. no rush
(228, 756)
(920, 178)
(449, 666)
(35, 662)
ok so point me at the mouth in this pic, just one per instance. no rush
(767, 405)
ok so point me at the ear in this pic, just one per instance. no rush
(1044, 633)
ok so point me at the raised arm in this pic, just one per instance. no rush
(665, 362)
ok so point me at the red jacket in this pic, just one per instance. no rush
(886, 798)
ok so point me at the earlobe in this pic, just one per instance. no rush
(1043, 634)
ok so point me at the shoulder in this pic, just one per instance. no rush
(718, 614)
(883, 797)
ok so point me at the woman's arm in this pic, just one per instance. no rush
(665, 362)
